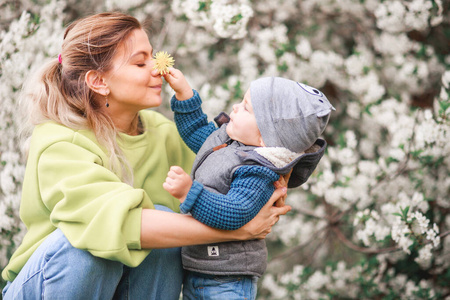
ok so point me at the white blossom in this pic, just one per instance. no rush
(373, 59)
(303, 48)
(424, 255)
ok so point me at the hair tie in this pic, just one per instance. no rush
(59, 58)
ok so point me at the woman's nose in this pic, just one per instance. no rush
(155, 73)
(151, 63)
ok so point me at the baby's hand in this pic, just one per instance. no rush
(177, 183)
(179, 84)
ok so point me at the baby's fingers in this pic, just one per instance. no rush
(177, 170)
(174, 173)
(172, 74)
(167, 187)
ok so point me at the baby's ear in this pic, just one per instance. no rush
(261, 142)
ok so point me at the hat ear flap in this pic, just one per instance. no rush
(307, 164)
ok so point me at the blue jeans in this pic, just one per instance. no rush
(214, 287)
(56, 270)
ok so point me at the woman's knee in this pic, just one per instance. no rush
(80, 274)
(64, 270)
(66, 259)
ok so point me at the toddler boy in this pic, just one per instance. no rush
(274, 130)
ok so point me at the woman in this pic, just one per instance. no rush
(96, 165)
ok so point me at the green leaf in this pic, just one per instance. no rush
(204, 5)
(283, 68)
(236, 19)
(405, 212)
(444, 105)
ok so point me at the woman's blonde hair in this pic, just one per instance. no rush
(60, 92)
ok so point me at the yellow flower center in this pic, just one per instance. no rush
(163, 61)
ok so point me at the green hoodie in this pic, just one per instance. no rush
(68, 185)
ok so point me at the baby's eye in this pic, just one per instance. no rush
(140, 65)
(310, 90)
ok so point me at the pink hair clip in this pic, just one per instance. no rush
(59, 58)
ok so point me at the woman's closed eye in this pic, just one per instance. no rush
(144, 62)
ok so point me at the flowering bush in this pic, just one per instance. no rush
(27, 42)
(372, 221)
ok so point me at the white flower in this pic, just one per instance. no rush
(124, 5)
(350, 138)
(293, 277)
(367, 86)
(410, 288)
(390, 16)
(397, 154)
(446, 79)
(436, 228)
(424, 255)
(417, 15)
(355, 65)
(317, 281)
(304, 48)
(393, 44)
(422, 221)
(399, 233)
(278, 292)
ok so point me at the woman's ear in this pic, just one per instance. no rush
(96, 82)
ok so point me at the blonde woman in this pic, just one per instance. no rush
(96, 164)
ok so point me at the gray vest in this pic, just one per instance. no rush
(214, 169)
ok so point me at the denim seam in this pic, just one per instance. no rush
(43, 284)
(47, 258)
(28, 279)
(127, 285)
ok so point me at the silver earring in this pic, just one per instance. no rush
(106, 99)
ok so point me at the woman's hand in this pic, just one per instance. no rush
(282, 182)
(179, 84)
(261, 225)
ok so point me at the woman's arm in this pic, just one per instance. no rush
(161, 229)
(251, 188)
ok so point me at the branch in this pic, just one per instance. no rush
(402, 166)
(309, 213)
(164, 30)
(355, 247)
(444, 234)
(297, 248)
(316, 248)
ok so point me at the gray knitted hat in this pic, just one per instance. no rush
(289, 114)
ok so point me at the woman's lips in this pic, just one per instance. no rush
(158, 86)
